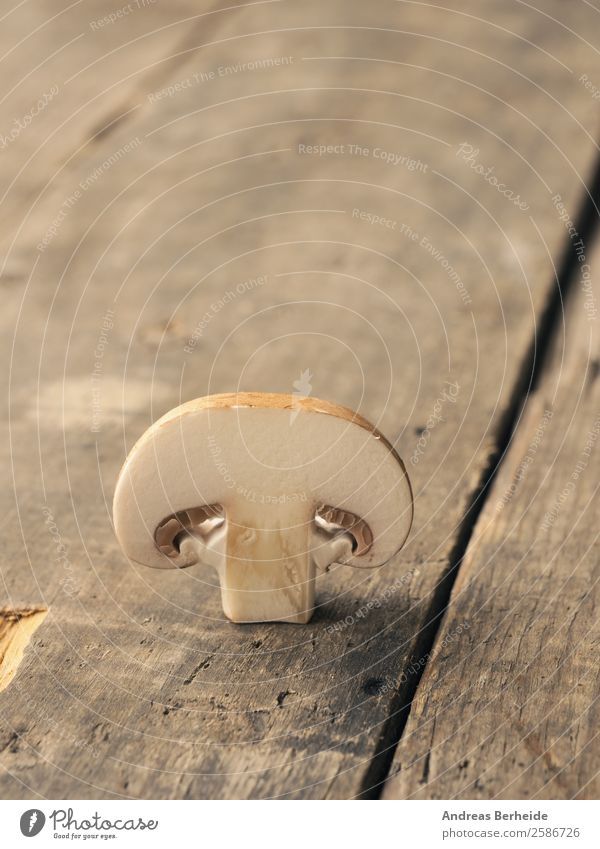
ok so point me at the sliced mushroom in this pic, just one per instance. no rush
(266, 498)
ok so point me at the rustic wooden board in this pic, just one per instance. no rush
(70, 72)
(134, 685)
(509, 708)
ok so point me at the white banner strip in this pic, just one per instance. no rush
(283, 824)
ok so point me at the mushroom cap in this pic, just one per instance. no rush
(268, 459)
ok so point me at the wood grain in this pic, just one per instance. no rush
(69, 77)
(510, 708)
(204, 247)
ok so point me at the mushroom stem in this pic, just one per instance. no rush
(268, 574)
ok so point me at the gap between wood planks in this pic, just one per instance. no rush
(586, 222)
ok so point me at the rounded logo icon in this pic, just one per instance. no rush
(32, 822)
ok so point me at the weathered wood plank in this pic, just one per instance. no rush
(134, 685)
(70, 73)
(508, 705)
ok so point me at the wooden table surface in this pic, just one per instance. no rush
(393, 204)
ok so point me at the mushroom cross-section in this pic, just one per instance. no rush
(264, 496)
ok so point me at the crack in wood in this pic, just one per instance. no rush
(533, 367)
(200, 666)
